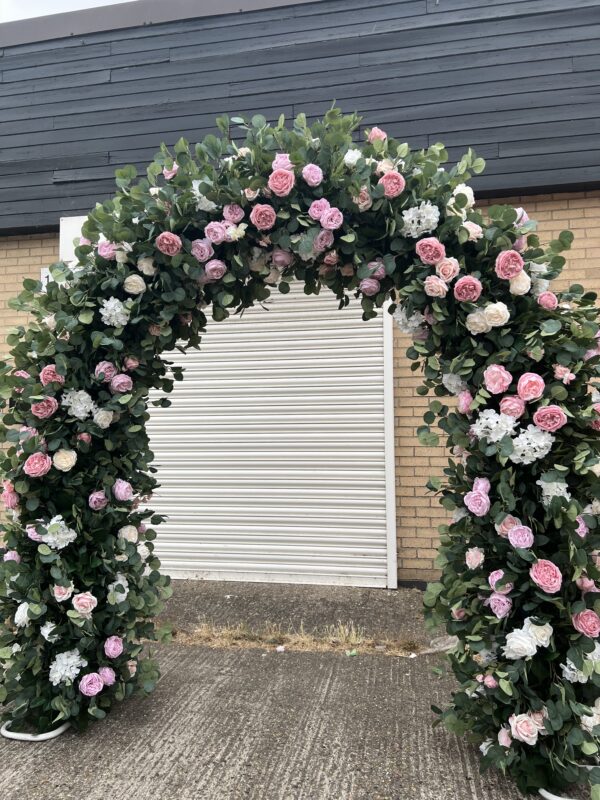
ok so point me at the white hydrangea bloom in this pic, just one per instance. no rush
(21, 618)
(46, 631)
(420, 219)
(114, 313)
(58, 534)
(453, 382)
(531, 445)
(78, 403)
(412, 325)
(552, 489)
(119, 588)
(572, 674)
(66, 667)
(493, 426)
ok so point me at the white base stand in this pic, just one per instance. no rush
(33, 737)
(549, 796)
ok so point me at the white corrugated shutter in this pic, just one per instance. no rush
(272, 458)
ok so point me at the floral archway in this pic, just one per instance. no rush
(217, 230)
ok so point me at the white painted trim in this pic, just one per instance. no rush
(390, 451)
(70, 228)
(278, 577)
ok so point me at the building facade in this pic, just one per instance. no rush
(341, 499)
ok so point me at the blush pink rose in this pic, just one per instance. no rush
(587, 622)
(97, 500)
(121, 383)
(12, 555)
(281, 258)
(363, 199)
(494, 578)
(107, 675)
(497, 379)
(105, 371)
(281, 182)
(548, 300)
(523, 728)
(168, 243)
(474, 230)
(122, 490)
(170, 172)
(216, 232)
(465, 398)
(37, 465)
(233, 212)
(318, 208)
(447, 269)
(435, 287)
(282, 161)
(376, 135)
(458, 614)
(45, 408)
(563, 374)
(32, 533)
(202, 249)
(215, 269)
(546, 575)
(500, 605)
(130, 363)
(312, 174)
(550, 418)
(113, 647)
(50, 375)
(332, 219)
(91, 684)
(467, 289)
(9, 497)
(477, 502)
(62, 593)
(512, 406)
(430, 250)
(474, 557)
(84, 437)
(521, 536)
(490, 682)
(369, 286)
(509, 264)
(323, 240)
(585, 584)
(581, 529)
(84, 603)
(530, 386)
(263, 216)
(393, 184)
(107, 250)
(481, 485)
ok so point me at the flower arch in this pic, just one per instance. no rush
(217, 230)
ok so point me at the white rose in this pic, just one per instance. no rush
(134, 284)
(64, 460)
(129, 533)
(146, 266)
(520, 284)
(103, 418)
(351, 157)
(21, 618)
(120, 257)
(477, 322)
(519, 644)
(496, 314)
(384, 166)
(541, 634)
(467, 191)
(154, 190)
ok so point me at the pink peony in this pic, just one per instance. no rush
(332, 219)
(281, 182)
(494, 578)
(168, 243)
(84, 603)
(467, 289)
(123, 490)
(497, 379)
(465, 398)
(263, 217)
(202, 249)
(435, 287)
(548, 300)
(282, 161)
(91, 684)
(318, 208)
(121, 383)
(323, 240)
(45, 408)
(107, 675)
(376, 134)
(233, 212)
(105, 371)
(215, 269)
(530, 386)
(587, 622)
(131, 363)
(312, 174)
(512, 406)
(521, 536)
(369, 286)
(113, 647)
(393, 184)
(477, 502)
(563, 374)
(550, 418)
(430, 250)
(509, 264)
(447, 269)
(37, 465)
(546, 575)
(474, 557)
(107, 250)
(12, 555)
(281, 258)
(216, 232)
(97, 500)
(50, 375)
(170, 172)
(474, 230)
(500, 605)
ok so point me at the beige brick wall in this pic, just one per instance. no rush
(418, 512)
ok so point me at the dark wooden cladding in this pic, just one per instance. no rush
(518, 81)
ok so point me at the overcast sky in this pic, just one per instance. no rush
(23, 9)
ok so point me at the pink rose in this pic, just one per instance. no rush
(170, 172)
(430, 250)
(481, 485)
(121, 383)
(521, 536)
(474, 230)
(377, 269)
(323, 240)
(393, 184)
(508, 264)
(251, 194)
(581, 529)
(62, 593)
(376, 134)
(500, 605)
(563, 374)
(233, 212)
(512, 406)
(312, 174)
(20, 373)
(477, 502)
(202, 249)
(105, 371)
(504, 737)
(490, 682)
(12, 555)
(50, 375)
(122, 490)
(458, 614)
(363, 200)
(91, 684)
(497, 379)
(523, 728)
(168, 243)
(585, 584)
(467, 289)
(97, 500)
(281, 258)
(215, 269)
(522, 217)
(131, 363)
(83, 241)
(546, 575)
(318, 208)
(216, 232)
(37, 465)
(474, 557)
(332, 219)
(107, 250)
(447, 269)
(9, 497)
(107, 676)
(282, 161)
(587, 622)
(465, 398)
(530, 386)
(263, 217)
(550, 418)
(45, 408)
(281, 182)
(435, 287)
(548, 300)
(494, 578)
(369, 286)
(113, 647)
(84, 603)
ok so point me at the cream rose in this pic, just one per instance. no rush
(541, 634)
(146, 266)
(64, 460)
(477, 322)
(134, 284)
(129, 533)
(103, 418)
(519, 644)
(496, 314)
(520, 284)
